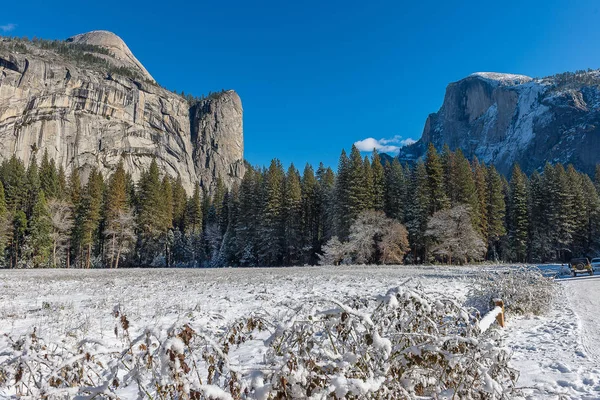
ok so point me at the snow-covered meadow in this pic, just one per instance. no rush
(555, 353)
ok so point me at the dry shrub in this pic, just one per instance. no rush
(524, 290)
(411, 344)
(406, 344)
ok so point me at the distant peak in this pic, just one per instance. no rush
(99, 38)
(115, 44)
(507, 79)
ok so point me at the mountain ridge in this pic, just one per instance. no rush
(90, 103)
(503, 119)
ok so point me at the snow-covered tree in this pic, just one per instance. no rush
(378, 182)
(61, 216)
(453, 236)
(518, 215)
(333, 252)
(121, 234)
(374, 238)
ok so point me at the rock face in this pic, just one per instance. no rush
(121, 55)
(85, 117)
(216, 135)
(504, 119)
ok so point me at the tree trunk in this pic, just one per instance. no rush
(17, 253)
(54, 255)
(118, 256)
(88, 256)
(112, 251)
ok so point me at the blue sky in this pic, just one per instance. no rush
(317, 76)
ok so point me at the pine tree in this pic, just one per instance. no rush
(116, 195)
(166, 209)
(5, 224)
(395, 190)
(194, 212)
(558, 208)
(496, 211)
(310, 215)
(369, 191)
(481, 189)
(62, 183)
(447, 158)
(326, 203)
(417, 211)
(518, 215)
(341, 203)
(229, 248)
(539, 229)
(150, 218)
(19, 228)
(358, 192)
(592, 229)
(246, 226)
(577, 211)
(40, 229)
(33, 185)
(465, 191)
(49, 177)
(179, 204)
(74, 186)
(271, 251)
(194, 225)
(436, 195)
(378, 182)
(88, 216)
(116, 206)
(292, 210)
(166, 216)
(218, 200)
(14, 181)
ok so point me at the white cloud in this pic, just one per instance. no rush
(7, 27)
(389, 145)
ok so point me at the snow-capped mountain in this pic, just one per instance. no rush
(504, 118)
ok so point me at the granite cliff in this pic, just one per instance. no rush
(504, 119)
(89, 102)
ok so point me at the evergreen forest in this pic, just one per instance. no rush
(284, 217)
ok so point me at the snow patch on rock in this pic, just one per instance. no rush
(501, 78)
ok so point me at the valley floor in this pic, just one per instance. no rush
(557, 354)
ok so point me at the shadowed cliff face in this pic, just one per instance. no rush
(503, 119)
(85, 117)
(216, 135)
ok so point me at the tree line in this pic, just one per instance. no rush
(443, 208)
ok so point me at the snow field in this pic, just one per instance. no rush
(555, 353)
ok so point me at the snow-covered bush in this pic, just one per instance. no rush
(524, 290)
(333, 252)
(454, 238)
(374, 239)
(409, 345)
(406, 344)
(174, 364)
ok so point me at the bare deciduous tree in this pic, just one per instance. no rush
(333, 252)
(61, 217)
(454, 237)
(374, 238)
(121, 233)
(394, 243)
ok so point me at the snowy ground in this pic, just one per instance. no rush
(556, 353)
